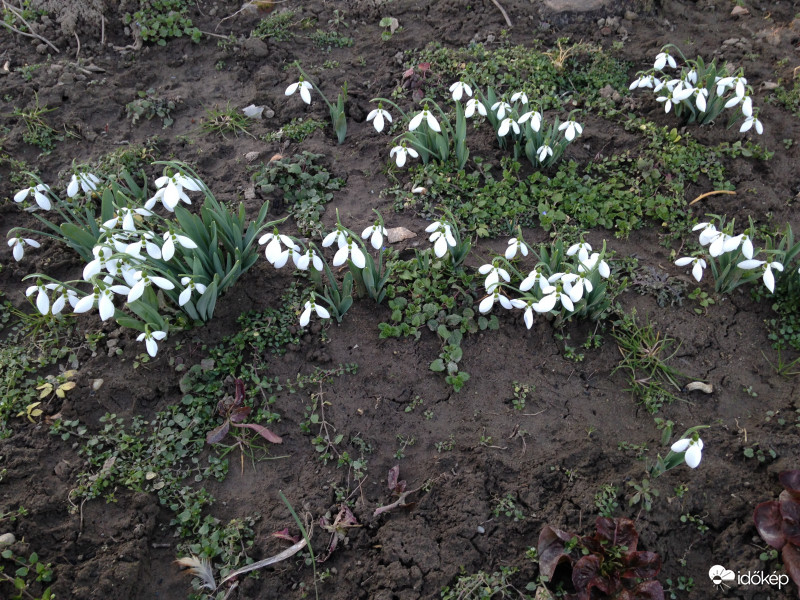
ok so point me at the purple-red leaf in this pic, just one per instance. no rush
(791, 561)
(642, 565)
(790, 513)
(283, 534)
(239, 392)
(551, 550)
(238, 415)
(769, 523)
(586, 575)
(618, 532)
(647, 590)
(217, 434)
(262, 431)
(790, 480)
(394, 475)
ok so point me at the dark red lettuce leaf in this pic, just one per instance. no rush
(791, 562)
(791, 481)
(790, 513)
(618, 532)
(769, 523)
(586, 576)
(551, 550)
(262, 431)
(217, 434)
(642, 565)
(647, 590)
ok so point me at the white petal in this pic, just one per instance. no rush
(486, 304)
(681, 445)
(306, 316)
(357, 257)
(340, 257)
(693, 456)
(185, 296)
(106, 307)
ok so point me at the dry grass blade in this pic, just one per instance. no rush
(267, 561)
(713, 193)
(201, 568)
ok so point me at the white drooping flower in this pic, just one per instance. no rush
(273, 241)
(521, 96)
(501, 108)
(698, 265)
(312, 306)
(375, 234)
(516, 245)
(103, 297)
(309, 258)
(543, 152)
(143, 281)
(123, 219)
(441, 236)
(487, 303)
(537, 277)
(378, 116)
(171, 191)
(573, 129)
(582, 249)
(305, 90)
(473, 105)
(595, 261)
(662, 59)
(535, 117)
(189, 287)
(493, 276)
(429, 119)
(17, 245)
(42, 298)
(171, 239)
(150, 338)
(102, 256)
(39, 193)
(145, 240)
(338, 235)
(527, 306)
(459, 88)
(506, 125)
(401, 152)
(352, 251)
(749, 122)
(291, 251)
(769, 277)
(82, 181)
(692, 449)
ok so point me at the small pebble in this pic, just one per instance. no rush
(481, 530)
(7, 539)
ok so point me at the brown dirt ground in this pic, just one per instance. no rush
(578, 413)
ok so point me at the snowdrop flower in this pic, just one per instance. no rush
(473, 104)
(171, 191)
(459, 88)
(537, 277)
(375, 234)
(487, 303)
(309, 257)
(548, 302)
(123, 219)
(582, 249)
(769, 278)
(662, 59)
(85, 181)
(508, 123)
(42, 299)
(516, 245)
(104, 298)
(145, 241)
(748, 124)
(429, 119)
(304, 87)
(441, 236)
(535, 117)
(543, 152)
(61, 295)
(668, 100)
(747, 246)
(682, 91)
(493, 275)
(150, 338)
(189, 287)
(527, 306)
(273, 241)
(17, 245)
(698, 265)
(521, 96)
(39, 195)
(595, 261)
(736, 83)
(402, 152)
(501, 108)
(310, 306)
(574, 285)
(573, 129)
(144, 281)
(692, 449)
(102, 254)
(170, 239)
(292, 251)
(701, 96)
(338, 235)
(353, 252)
(378, 114)
(645, 81)
(718, 242)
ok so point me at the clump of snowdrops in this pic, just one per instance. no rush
(732, 257)
(147, 258)
(518, 124)
(699, 92)
(304, 85)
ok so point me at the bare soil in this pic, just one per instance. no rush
(574, 419)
